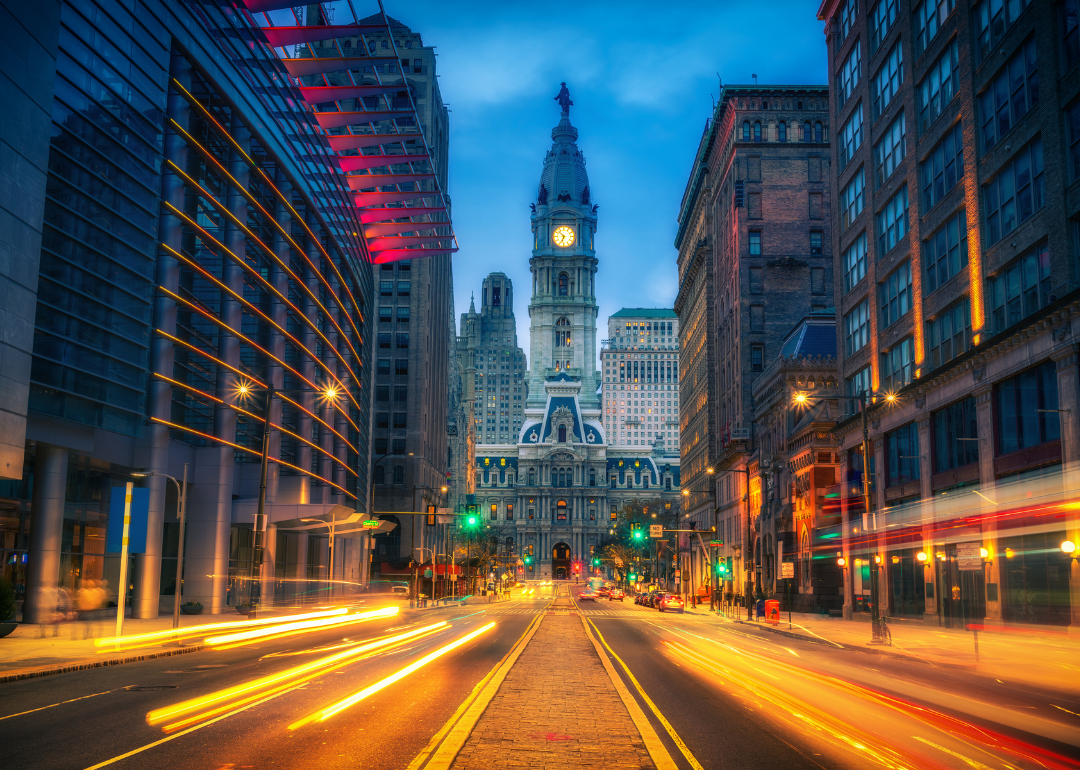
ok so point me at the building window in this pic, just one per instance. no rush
(757, 358)
(1021, 288)
(857, 328)
(902, 449)
(890, 149)
(846, 19)
(851, 200)
(400, 420)
(851, 136)
(807, 132)
(882, 17)
(1070, 35)
(855, 263)
(757, 130)
(894, 295)
(382, 393)
(1072, 124)
(509, 511)
(929, 16)
(1010, 95)
(945, 252)
(386, 315)
(562, 333)
(948, 333)
(401, 394)
(753, 205)
(560, 511)
(888, 79)
(819, 136)
(401, 366)
(757, 280)
(382, 366)
(384, 340)
(848, 77)
(992, 19)
(562, 434)
(404, 288)
(564, 284)
(380, 475)
(938, 88)
(403, 315)
(896, 365)
(382, 420)
(746, 131)
(815, 243)
(403, 340)
(781, 131)
(757, 318)
(386, 288)
(399, 474)
(755, 243)
(1015, 193)
(858, 384)
(892, 222)
(943, 167)
(956, 434)
(1027, 409)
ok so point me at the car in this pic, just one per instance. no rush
(586, 596)
(616, 593)
(603, 591)
(669, 602)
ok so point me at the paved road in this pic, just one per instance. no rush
(742, 697)
(385, 730)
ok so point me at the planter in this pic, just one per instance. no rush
(191, 610)
(7, 627)
(244, 609)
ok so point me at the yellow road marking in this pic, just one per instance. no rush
(61, 703)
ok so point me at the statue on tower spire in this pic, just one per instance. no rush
(563, 99)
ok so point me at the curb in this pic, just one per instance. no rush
(18, 675)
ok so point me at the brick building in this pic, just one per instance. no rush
(955, 234)
(754, 246)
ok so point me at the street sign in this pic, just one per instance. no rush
(140, 509)
(787, 569)
(968, 558)
(656, 530)
(371, 523)
(715, 543)
(427, 573)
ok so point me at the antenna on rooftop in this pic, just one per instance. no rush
(754, 76)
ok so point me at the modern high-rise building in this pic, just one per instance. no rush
(191, 265)
(494, 366)
(549, 481)
(955, 230)
(640, 368)
(754, 259)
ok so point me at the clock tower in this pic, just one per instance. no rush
(563, 311)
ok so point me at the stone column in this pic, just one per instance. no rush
(147, 566)
(46, 531)
(1068, 380)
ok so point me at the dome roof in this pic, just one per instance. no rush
(564, 168)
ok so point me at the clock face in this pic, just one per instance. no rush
(563, 236)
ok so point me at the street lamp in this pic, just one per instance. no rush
(181, 493)
(244, 389)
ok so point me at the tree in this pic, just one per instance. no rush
(630, 545)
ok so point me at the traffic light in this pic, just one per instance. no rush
(471, 521)
(596, 562)
(431, 515)
(638, 534)
(633, 576)
(721, 567)
(528, 559)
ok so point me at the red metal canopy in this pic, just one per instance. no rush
(368, 216)
(338, 119)
(361, 162)
(365, 181)
(312, 66)
(282, 36)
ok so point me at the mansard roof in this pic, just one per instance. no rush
(645, 312)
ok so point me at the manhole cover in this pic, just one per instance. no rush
(142, 688)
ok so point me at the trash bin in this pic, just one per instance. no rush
(772, 611)
(760, 608)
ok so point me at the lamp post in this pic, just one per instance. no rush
(713, 601)
(181, 493)
(243, 390)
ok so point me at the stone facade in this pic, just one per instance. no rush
(553, 489)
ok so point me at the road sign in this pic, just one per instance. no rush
(787, 569)
(968, 558)
(140, 509)
(427, 573)
(656, 530)
(716, 543)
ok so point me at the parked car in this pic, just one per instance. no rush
(670, 602)
(616, 593)
(648, 599)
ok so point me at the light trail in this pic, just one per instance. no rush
(303, 626)
(205, 707)
(355, 698)
(174, 634)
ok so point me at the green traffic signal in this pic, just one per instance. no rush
(470, 521)
(633, 576)
(637, 534)
(528, 560)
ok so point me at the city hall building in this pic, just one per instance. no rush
(555, 478)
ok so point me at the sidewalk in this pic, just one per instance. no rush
(557, 708)
(1047, 657)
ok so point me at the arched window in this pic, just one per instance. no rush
(645, 481)
(532, 478)
(817, 132)
(667, 482)
(746, 131)
(371, 46)
(399, 474)
(564, 284)
(562, 333)
(612, 482)
(764, 104)
(562, 434)
(757, 130)
(380, 474)
(781, 131)
(807, 132)
(560, 511)
(798, 105)
(346, 44)
(510, 478)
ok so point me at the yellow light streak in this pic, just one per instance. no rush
(176, 633)
(355, 698)
(191, 711)
(301, 625)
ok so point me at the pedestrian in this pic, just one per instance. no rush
(65, 609)
(45, 606)
(88, 603)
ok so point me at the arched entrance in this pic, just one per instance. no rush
(560, 561)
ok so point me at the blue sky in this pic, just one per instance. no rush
(642, 77)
